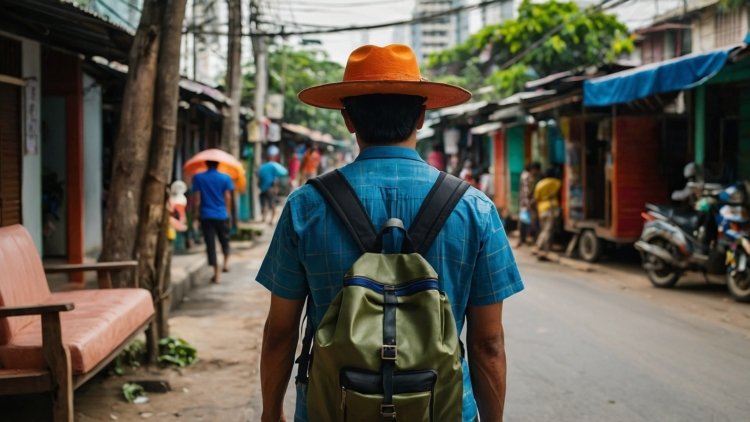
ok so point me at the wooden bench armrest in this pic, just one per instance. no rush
(97, 266)
(56, 356)
(11, 311)
(103, 270)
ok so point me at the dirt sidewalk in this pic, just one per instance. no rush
(224, 322)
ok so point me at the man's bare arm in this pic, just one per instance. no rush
(486, 354)
(228, 202)
(280, 337)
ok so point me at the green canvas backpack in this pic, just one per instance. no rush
(387, 346)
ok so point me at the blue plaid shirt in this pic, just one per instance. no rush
(311, 250)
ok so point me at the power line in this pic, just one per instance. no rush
(420, 19)
(317, 10)
(350, 4)
(312, 9)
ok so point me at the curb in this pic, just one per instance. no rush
(190, 271)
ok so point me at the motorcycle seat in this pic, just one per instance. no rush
(687, 220)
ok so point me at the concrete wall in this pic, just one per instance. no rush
(31, 196)
(704, 31)
(92, 159)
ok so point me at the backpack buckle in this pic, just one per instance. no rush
(388, 411)
(388, 352)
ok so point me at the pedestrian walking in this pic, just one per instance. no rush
(546, 194)
(383, 99)
(294, 166)
(310, 162)
(467, 173)
(268, 184)
(526, 205)
(213, 197)
(436, 158)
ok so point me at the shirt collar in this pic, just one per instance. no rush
(389, 152)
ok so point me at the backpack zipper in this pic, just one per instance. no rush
(402, 290)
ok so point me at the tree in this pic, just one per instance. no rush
(290, 70)
(567, 38)
(230, 134)
(135, 222)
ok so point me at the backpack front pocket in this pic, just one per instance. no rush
(362, 395)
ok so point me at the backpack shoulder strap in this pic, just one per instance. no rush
(435, 210)
(344, 201)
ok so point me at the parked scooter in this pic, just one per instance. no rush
(736, 230)
(676, 240)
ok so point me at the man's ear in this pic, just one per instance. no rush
(348, 121)
(420, 121)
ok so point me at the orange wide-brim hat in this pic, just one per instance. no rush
(392, 69)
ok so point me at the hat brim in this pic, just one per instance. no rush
(438, 95)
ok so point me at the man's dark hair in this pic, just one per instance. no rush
(212, 164)
(534, 166)
(551, 172)
(381, 119)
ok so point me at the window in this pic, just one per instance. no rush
(729, 27)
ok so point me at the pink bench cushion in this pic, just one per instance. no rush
(101, 321)
(22, 279)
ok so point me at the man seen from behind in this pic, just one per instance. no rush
(383, 99)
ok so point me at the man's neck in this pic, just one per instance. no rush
(410, 142)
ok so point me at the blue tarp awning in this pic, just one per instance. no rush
(680, 73)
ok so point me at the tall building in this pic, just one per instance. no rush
(499, 12)
(439, 33)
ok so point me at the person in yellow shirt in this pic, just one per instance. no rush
(546, 194)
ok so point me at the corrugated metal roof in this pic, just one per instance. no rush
(63, 24)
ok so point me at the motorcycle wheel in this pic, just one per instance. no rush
(739, 285)
(660, 273)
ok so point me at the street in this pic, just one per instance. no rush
(583, 350)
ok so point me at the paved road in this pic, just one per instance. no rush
(583, 350)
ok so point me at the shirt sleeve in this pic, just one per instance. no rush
(230, 184)
(496, 275)
(281, 271)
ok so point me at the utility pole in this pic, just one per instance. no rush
(261, 86)
(195, 40)
(230, 134)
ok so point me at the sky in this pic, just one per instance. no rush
(634, 13)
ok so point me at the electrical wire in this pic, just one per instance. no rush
(420, 19)
(348, 4)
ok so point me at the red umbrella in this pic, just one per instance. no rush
(227, 165)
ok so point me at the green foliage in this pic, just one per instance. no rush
(132, 391)
(733, 4)
(131, 356)
(290, 70)
(176, 351)
(587, 38)
(511, 80)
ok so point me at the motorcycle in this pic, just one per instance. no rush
(675, 240)
(736, 230)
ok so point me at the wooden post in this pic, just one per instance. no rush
(57, 356)
(74, 160)
(700, 125)
(230, 133)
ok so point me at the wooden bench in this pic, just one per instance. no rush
(54, 342)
